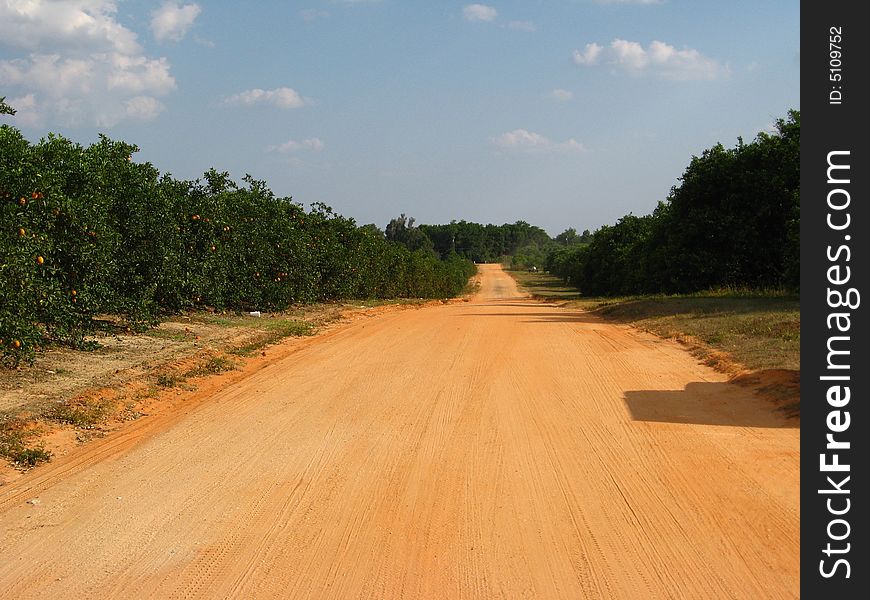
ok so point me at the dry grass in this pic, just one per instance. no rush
(755, 329)
(16, 436)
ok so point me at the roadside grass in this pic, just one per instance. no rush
(82, 412)
(15, 437)
(545, 287)
(758, 330)
(275, 331)
(170, 380)
(212, 366)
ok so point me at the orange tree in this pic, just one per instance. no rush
(86, 231)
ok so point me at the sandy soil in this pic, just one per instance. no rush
(500, 448)
(61, 373)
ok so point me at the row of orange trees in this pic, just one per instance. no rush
(86, 231)
(733, 221)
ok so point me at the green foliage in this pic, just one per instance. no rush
(15, 435)
(86, 231)
(570, 237)
(530, 256)
(733, 221)
(212, 366)
(403, 231)
(484, 243)
(170, 380)
(5, 109)
(80, 413)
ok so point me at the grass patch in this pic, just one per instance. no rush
(274, 331)
(232, 320)
(758, 332)
(80, 412)
(170, 380)
(758, 329)
(545, 287)
(212, 366)
(375, 302)
(15, 435)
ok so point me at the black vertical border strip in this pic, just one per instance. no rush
(830, 127)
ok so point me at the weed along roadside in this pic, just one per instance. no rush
(752, 336)
(69, 396)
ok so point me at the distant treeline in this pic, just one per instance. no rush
(476, 242)
(733, 221)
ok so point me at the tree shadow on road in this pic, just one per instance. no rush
(539, 316)
(710, 403)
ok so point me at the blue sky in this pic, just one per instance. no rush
(563, 113)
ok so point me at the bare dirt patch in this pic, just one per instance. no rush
(69, 397)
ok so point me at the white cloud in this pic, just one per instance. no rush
(312, 14)
(522, 140)
(479, 12)
(72, 63)
(282, 97)
(170, 22)
(630, 55)
(589, 56)
(312, 144)
(77, 25)
(522, 26)
(91, 70)
(203, 41)
(658, 58)
(143, 108)
(561, 95)
(100, 89)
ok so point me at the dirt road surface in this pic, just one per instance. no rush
(499, 448)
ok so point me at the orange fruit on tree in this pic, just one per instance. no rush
(34, 195)
(21, 232)
(40, 260)
(22, 201)
(16, 343)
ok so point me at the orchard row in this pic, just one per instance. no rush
(86, 231)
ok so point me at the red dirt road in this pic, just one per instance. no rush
(500, 448)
